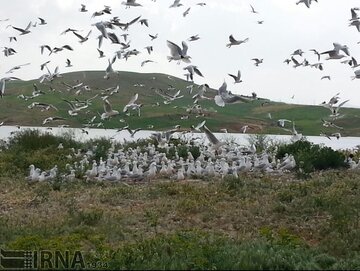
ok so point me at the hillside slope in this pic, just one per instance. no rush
(15, 110)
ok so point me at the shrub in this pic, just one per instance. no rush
(34, 139)
(99, 146)
(310, 157)
(260, 141)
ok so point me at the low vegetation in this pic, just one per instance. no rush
(310, 157)
(256, 221)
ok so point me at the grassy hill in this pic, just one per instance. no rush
(233, 117)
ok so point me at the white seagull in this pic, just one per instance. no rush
(109, 112)
(237, 77)
(177, 53)
(233, 41)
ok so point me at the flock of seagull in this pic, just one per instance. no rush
(218, 159)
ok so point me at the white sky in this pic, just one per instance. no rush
(286, 27)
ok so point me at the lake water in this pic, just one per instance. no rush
(242, 139)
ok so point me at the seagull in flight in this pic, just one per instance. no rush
(316, 53)
(233, 41)
(216, 144)
(132, 132)
(186, 12)
(42, 21)
(49, 119)
(237, 77)
(82, 39)
(253, 10)
(306, 2)
(131, 3)
(257, 61)
(177, 53)
(357, 75)
(17, 67)
(326, 77)
(2, 84)
(197, 127)
(74, 110)
(176, 4)
(194, 38)
(83, 8)
(109, 112)
(68, 63)
(132, 105)
(192, 70)
(226, 97)
(153, 36)
(23, 31)
(281, 122)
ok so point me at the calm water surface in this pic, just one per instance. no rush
(242, 139)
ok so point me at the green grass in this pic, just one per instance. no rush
(232, 117)
(255, 222)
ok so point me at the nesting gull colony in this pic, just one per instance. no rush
(216, 158)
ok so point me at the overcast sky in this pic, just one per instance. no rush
(286, 28)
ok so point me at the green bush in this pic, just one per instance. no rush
(99, 146)
(34, 139)
(310, 157)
